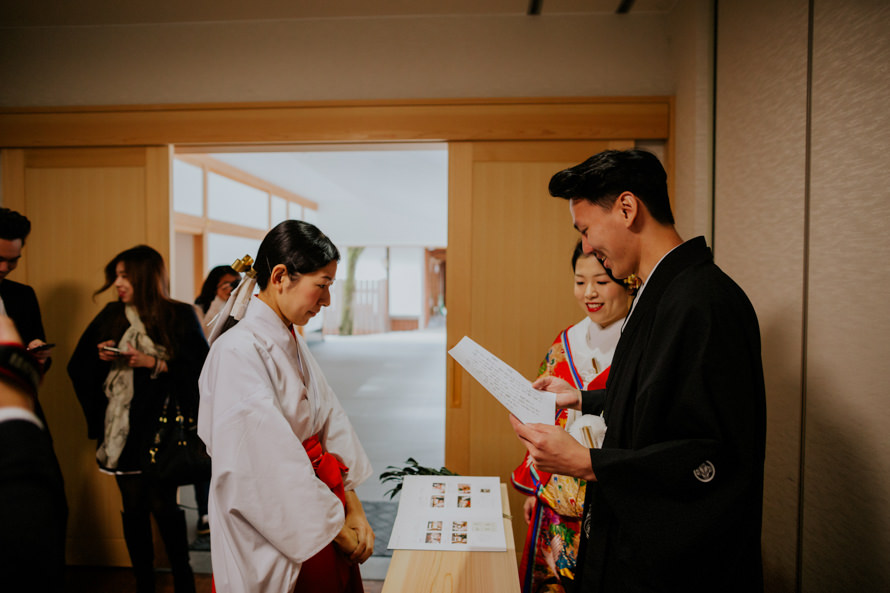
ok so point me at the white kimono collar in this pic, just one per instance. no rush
(272, 328)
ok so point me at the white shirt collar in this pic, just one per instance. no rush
(15, 413)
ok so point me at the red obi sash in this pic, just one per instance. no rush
(327, 468)
(329, 571)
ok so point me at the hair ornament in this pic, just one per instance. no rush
(633, 282)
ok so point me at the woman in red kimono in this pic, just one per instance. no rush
(581, 355)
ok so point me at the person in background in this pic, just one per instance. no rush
(286, 459)
(580, 355)
(17, 300)
(136, 351)
(674, 496)
(33, 512)
(215, 291)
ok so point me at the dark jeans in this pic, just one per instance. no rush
(140, 494)
(202, 493)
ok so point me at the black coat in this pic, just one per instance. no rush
(33, 512)
(21, 306)
(678, 502)
(88, 373)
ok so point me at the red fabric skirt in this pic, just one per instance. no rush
(329, 571)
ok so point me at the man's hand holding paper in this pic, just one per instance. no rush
(554, 450)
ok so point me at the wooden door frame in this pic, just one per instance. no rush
(574, 118)
(463, 123)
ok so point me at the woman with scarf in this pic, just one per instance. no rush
(137, 350)
(283, 512)
(581, 354)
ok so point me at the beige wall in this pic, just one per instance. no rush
(846, 497)
(801, 211)
(324, 59)
(691, 27)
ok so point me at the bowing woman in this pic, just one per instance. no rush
(157, 347)
(581, 355)
(284, 515)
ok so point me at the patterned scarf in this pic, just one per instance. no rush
(119, 390)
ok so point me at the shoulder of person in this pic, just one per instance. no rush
(558, 339)
(112, 308)
(11, 287)
(181, 308)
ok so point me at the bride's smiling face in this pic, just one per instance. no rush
(602, 299)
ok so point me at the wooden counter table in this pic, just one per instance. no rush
(420, 571)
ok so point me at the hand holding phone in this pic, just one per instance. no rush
(41, 347)
(113, 350)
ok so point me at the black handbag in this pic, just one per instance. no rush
(177, 454)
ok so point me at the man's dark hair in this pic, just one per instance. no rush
(606, 175)
(13, 225)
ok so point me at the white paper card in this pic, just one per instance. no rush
(505, 383)
(455, 513)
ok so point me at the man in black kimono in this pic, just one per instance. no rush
(674, 497)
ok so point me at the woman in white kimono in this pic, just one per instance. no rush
(286, 460)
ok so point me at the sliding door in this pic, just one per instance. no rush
(509, 286)
(85, 206)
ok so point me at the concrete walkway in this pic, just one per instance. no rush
(392, 386)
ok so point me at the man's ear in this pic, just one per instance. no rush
(629, 207)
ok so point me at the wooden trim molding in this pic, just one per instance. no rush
(342, 121)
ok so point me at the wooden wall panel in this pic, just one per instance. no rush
(458, 303)
(515, 294)
(82, 214)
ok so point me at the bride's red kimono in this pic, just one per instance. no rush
(551, 545)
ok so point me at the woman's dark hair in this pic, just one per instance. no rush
(211, 284)
(578, 253)
(300, 246)
(604, 176)
(148, 275)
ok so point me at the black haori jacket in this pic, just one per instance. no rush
(678, 502)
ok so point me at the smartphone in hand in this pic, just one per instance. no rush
(113, 350)
(41, 348)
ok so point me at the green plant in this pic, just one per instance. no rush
(412, 468)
